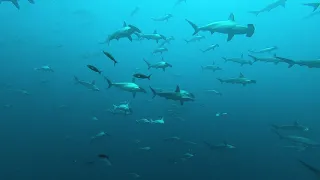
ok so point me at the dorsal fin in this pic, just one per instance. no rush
(241, 75)
(225, 142)
(296, 123)
(213, 62)
(133, 80)
(155, 32)
(241, 56)
(177, 89)
(93, 82)
(231, 17)
(124, 24)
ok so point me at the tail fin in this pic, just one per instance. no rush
(254, 12)
(225, 59)
(311, 168)
(16, 3)
(251, 30)
(277, 132)
(149, 65)
(109, 82)
(314, 5)
(276, 127)
(289, 61)
(255, 59)
(221, 81)
(186, 41)
(194, 26)
(149, 76)
(76, 79)
(153, 91)
(31, 1)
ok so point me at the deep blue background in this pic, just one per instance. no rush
(41, 140)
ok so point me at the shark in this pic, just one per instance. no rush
(298, 140)
(220, 146)
(166, 17)
(296, 126)
(309, 63)
(177, 95)
(100, 135)
(195, 38)
(315, 6)
(159, 65)
(89, 85)
(241, 79)
(125, 32)
(160, 50)
(316, 171)
(211, 67)
(211, 47)
(264, 50)
(229, 27)
(44, 69)
(127, 86)
(238, 60)
(270, 7)
(16, 2)
(154, 36)
(124, 107)
(135, 11)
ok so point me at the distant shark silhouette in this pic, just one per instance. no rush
(311, 168)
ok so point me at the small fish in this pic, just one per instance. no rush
(134, 175)
(142, 76)
(94, 118)
(93, 68)
(145, 148)
(105, 159)
(110, 57)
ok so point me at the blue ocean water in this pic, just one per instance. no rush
(47, 121)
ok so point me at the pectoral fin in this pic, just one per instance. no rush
(16, 4)
(130, 38)
(181, 102)
(134, 94)
(230, 36)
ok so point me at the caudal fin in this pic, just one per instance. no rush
(149, 65)
(31, 1)
(256, 13)
(153, 92)
(109, 82)
(194, 26)
(76, 80)
(315, 6)
(221, 81)
(286, 60)
(255, 59)
(277, 132)
(16, 3)
(149, 76)
(251, 30)
(225, 59)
